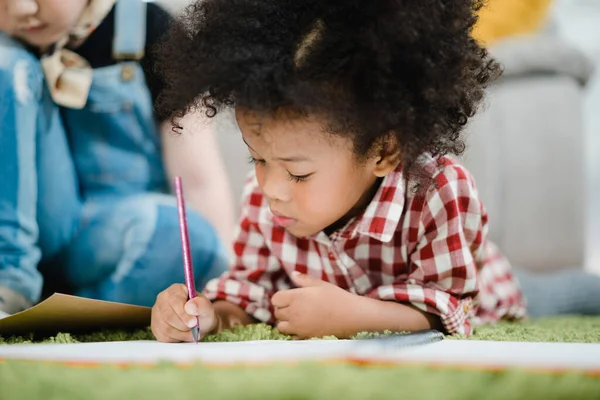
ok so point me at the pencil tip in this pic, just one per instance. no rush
(195, 333)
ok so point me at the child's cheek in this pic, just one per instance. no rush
(312, 197)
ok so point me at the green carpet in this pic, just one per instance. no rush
(31, 380)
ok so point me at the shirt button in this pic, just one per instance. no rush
(466, 308)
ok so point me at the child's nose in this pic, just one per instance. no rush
(21, 8)
(275, 188)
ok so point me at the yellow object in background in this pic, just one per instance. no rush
(502, 18)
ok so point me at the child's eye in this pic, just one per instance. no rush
(253, 160)
(298, 178)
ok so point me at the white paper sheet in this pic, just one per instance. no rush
(553, 356)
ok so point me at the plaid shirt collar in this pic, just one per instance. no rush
(381, 217)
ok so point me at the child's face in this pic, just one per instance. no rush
(311, 179)
(40, 22)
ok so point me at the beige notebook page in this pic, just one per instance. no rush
(66, 313)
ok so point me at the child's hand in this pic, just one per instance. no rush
(173, 315)
(315, 309)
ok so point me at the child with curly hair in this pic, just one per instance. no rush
(355, 219)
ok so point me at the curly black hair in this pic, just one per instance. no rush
(372, 67)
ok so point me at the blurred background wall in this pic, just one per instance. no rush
(578, 22)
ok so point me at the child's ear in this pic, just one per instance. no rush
(388, 155)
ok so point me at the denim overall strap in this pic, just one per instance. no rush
(130, 29)
(115, 137)
(125, 250)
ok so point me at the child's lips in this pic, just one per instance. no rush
(32, 28)
(283, 221)
(36, 29)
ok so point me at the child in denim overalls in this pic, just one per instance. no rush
(83, 189)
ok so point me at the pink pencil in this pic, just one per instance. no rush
(185, 246)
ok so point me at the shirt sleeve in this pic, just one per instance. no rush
(447, 226)
(254, 274)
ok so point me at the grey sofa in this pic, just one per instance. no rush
(526, 150)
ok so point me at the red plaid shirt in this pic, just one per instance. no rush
(428, 249)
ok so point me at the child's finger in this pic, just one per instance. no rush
(180, 321)
(281, 314)
(203, 310)
(174, 294)
(188, 320)
(162, 317)
(172, 335)
(285, 327)
(282, 298)
(159, 333)
(198, 306)
(161, 337)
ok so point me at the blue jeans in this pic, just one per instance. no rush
(569, 291)
(122, 246)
